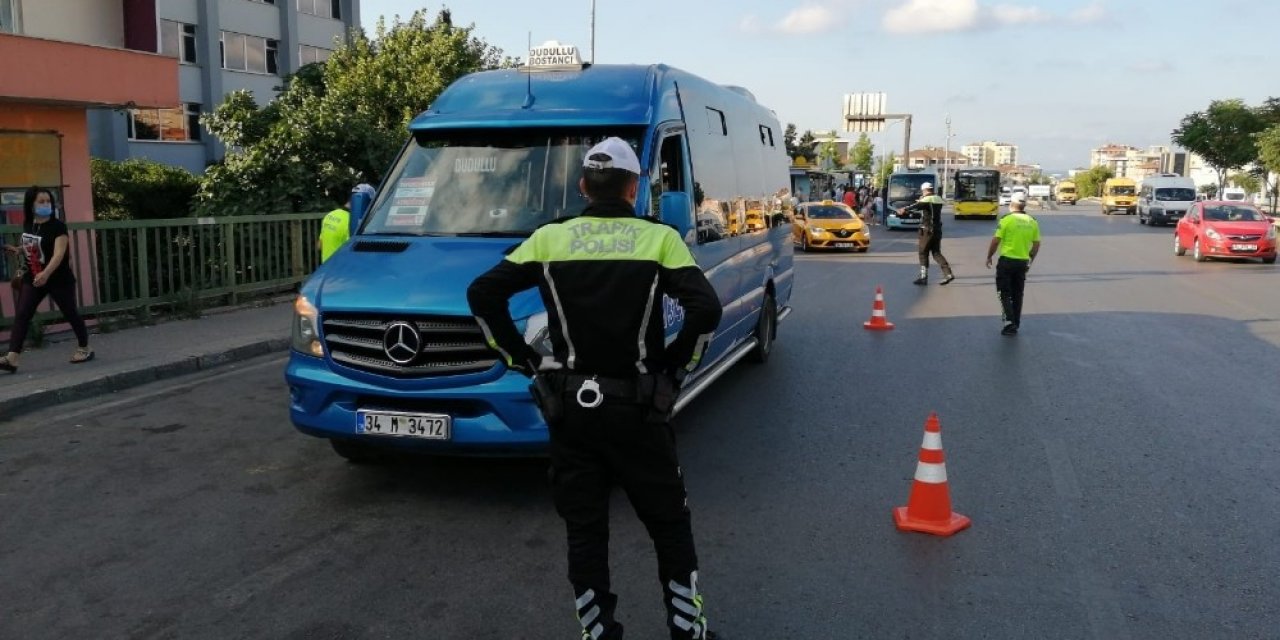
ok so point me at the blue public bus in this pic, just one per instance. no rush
(382, 331)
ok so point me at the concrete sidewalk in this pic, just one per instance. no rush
(135, 356)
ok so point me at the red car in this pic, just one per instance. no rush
(1225, 229)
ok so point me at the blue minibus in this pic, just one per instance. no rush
(385, 352)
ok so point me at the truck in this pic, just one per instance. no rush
(1041, 191)
(385, 352)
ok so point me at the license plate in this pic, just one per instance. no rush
(844, 245)
(430, 426)
(1244, 247)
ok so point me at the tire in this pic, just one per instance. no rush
(355, 452)
(1178, 249)
(1106, 211)
(766, 331)
(1196, 254)
(1271, 260)
(804, 243)
(1142, 220)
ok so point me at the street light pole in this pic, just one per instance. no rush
(593, 31)
(946, 161)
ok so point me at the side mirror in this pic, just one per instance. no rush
(676, 209)
(359, 206)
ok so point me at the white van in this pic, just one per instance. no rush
(1234, 194)
(1165, 199)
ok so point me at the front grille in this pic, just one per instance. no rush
(842, 233)
(1245, 238)
(447, 345)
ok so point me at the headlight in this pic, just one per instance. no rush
(537, 334)
(1213, 235)
(306, 334)
(1271, 232)
(817, 231)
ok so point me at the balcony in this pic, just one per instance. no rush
(52, 72)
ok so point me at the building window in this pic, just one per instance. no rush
(166, 125)
(249, 53)
(308, 54)
(9, 16)
(178, 40)
(322, 8)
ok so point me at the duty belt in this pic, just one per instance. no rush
(591, 391)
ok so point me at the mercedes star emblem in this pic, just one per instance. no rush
(401, 342)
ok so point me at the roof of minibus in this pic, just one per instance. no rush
(597, 95)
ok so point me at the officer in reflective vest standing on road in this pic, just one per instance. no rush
(930, 208)
(608, 389)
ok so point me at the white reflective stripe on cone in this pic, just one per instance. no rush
(932, 441)
(932, 473)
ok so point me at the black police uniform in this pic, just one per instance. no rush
(930, 208)
(602, 277)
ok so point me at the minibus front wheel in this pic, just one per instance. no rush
(766, 330)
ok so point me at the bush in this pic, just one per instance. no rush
(141, 190)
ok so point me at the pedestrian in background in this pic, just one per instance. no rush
(930, 208)
(608, 391)
(335, 228)
(1018, 241)
(46, 271)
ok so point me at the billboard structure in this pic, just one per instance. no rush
(869, 113)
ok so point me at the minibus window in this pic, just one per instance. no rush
(486, 182)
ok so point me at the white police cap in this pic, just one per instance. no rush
(613, 153)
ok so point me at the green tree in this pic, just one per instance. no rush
(140, 189)
(1250, 182)
(1038, 177)
(829, 155)
(862, 154)
(339, 122)
(1089, 183)
(1268, 144)
(1208, 190)
(1223, 135)
(885, 170)
(789, 140)
(807, 147)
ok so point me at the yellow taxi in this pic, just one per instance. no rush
(829, 225)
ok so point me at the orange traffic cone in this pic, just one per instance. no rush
(878, 321)
(929, 508)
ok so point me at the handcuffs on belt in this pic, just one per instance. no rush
(589, 394)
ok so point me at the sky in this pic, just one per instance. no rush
(1055, 77)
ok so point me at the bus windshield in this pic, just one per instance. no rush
(1180, 194)
(485, 183)
(1121, 191)
(906, 186)
(977, 186)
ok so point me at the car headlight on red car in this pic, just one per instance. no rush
(1213, 234)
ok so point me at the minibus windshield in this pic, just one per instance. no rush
(485, 182)
(1178, 194)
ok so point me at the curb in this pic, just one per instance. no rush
(123, 380)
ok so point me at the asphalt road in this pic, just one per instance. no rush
(1117, 458)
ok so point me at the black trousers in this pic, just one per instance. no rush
(29, 298)
(1011, 279)
(594, 450)
(931, 243)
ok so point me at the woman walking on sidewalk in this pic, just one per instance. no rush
(46, 271)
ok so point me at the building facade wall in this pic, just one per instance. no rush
(207, 83)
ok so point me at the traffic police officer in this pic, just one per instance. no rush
(608, 390)
(1018, 240)
(335, 228)
(930, 208)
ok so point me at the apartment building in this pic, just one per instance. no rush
(1130, 162)
(219, 46)
(936, 157)
(989, 153)
(60, 59)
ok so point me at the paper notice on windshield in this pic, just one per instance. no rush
(415, 192)
(406, 216)
(411, 202)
